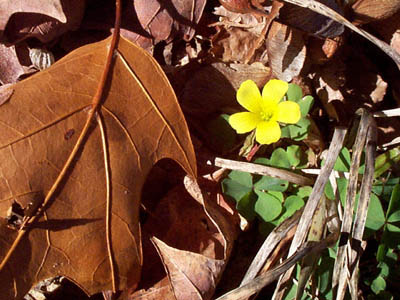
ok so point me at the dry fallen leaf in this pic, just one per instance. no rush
(162, 20)
(89, 231)
(193, 237)
(286, 51)
(6, 91)
(219, 82)
(366, 11)
(192, 275)
(42, 20)
(10, 67)
(238, 36)
(310, 21)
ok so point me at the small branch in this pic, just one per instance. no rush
(263, 170)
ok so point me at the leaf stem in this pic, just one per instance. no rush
(95, 107)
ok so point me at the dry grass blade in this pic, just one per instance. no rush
(395, 112)
(362, 209)
(263, 170)
(245, 291)
(333, 208)
(312, 203)
(315, 234)
(268, 246)
(340, 271)
(330, 13)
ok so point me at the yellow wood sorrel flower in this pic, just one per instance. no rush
(264, 111)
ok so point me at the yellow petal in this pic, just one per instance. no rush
(268, 132)
(248, 96)
(244, 121)
(274, 90)
(288, 112)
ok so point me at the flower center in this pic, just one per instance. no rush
(266, 115)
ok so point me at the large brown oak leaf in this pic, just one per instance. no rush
(138, 123)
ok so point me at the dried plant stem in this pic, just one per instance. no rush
(254, 286)
(95, 107)
(273, 239)
(339, 279)
(362, 209)
(312, 203)
(395, 112)
(349, 250)
(263, 170)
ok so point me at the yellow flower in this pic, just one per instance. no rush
(264, 111)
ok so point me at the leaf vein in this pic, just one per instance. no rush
(43, 127)
(154, 105)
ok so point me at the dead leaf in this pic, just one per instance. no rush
(240, 6)
(190, 273)
(24, 19)
(380, 90)
(228, 17)
(219, 82)
(162, 20)
(389, 30)
(234, 44)
(366, 11)
(286, 51)
(310, 21)
(238, 37)
(161, 290)
(139, 123)
(194, 240)
(14, 62)
(5, 92)
(321, 51)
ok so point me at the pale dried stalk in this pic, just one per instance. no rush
(387, 113)
(312, 203)
(316, 233)
(340, 270)
(268, 246)
(263, 170)
(254, 286)
(362, 209)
